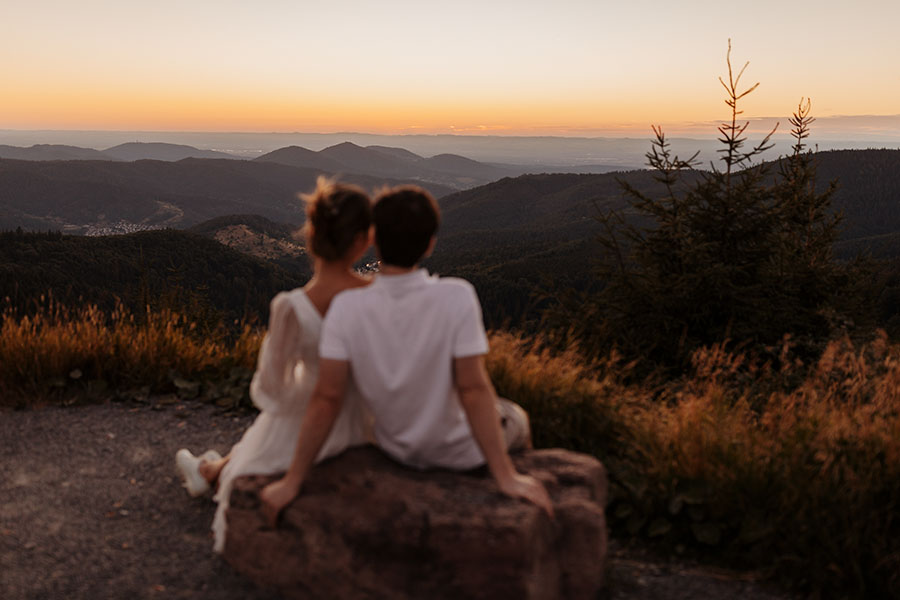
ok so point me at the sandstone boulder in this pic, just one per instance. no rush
(367, 527)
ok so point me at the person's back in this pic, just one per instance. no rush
(400, 336)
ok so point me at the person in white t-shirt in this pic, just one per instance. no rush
(414, 345)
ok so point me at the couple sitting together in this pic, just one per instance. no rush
(398, 360)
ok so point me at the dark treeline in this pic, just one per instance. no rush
(157, 269)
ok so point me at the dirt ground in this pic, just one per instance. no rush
(90, 508)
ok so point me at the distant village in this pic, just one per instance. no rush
(120, 228)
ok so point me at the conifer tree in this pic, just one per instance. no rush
(805, 267)
(736, 252)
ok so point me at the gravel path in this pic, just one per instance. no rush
(90, 508)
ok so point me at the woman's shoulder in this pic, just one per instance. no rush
(286, 298)
(293, 301)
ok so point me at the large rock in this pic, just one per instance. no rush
(367, 527)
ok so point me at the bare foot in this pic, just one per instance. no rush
(210, 469)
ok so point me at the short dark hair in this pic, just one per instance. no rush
(336, 213)
(406, 218)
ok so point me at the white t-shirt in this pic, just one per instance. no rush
(400, 336)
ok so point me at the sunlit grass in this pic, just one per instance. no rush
(78, 354)
(774, 465)
(788, 468)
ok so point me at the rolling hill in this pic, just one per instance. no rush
(868, 193)
(52, 152)
(449, 170)
(129, 151)
(161, 151)
(295, 156)
(74, 195)
(261, 238)
(868, 196)
(445, 169)
(536, 232)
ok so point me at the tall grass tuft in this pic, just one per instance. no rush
(74, 354)
(568, 403)
(788, 468)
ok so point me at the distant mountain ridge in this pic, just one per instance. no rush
(345, 158)
(295, 156)
(52, 152)
(161, 151)
(129, 151)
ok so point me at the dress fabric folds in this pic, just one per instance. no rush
(286, 373)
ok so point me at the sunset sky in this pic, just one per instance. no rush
(554, 67)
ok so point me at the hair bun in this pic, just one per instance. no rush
(336, 214)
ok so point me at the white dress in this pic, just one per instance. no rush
(286, 373)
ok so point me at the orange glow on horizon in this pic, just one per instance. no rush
(539, 67)
(134, 109)
(169, 110)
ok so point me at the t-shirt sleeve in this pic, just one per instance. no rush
(333, 344)
(470, 338)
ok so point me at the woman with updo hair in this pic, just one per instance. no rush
(337, 233)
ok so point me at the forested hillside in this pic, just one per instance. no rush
(259, 237)
(162, 269)
(71, 195)
(868, 196)
(536, 234)
(868, 191)
(519, 240)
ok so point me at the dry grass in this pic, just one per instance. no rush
(793, 468)
(82, 353)
(776, 465)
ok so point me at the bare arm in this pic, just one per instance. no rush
(324, 407)
(476, 394)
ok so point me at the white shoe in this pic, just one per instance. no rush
(188, 466)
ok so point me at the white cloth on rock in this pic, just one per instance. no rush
(286, 373)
